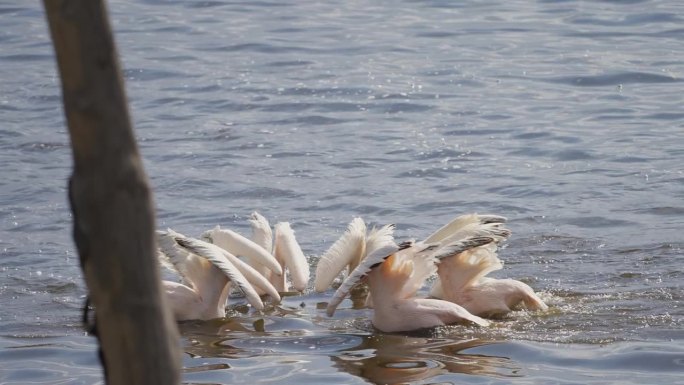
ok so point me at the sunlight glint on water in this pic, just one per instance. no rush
(564, 117)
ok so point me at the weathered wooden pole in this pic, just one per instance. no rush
(111, 202)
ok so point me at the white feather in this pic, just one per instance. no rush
(240, 245)
(371, 261)
(261, 231)
(464, 225)
(349, 248)
(461, 271)
(288, 250)
(393, 286)
(255, 278)
(191, 270)
(217, 256)
(379, 238)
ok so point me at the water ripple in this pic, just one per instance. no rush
(316, 112)
(613, 79)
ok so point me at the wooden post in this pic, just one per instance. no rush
(111, 202)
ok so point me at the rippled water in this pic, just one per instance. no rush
(564, 116)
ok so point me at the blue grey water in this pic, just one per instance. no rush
(564, 116)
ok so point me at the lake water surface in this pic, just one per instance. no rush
(564, 116)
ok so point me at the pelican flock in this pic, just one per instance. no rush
(365, 261)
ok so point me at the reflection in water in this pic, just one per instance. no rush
(383, 359)
(404, 114)
(378, 358)
(243, 337)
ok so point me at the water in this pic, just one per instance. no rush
(563, 116)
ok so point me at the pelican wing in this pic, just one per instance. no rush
(462, 270)
(491, 218)
(349, 248)
(253, 276)
(378, 238)
(177, 259)
(371, 261)
(436, 290)
(450, 228)
(459, 246)
(403, 274)
(288, 250)
(165, 261)
(465, 224)
(217, 257)
(170, 256)
(261, 231)
(493, 230)
(423, 268)
(237, 244)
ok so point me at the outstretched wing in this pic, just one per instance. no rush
(450, 228)
(261, 231)
(460, 245)
(371, 261)
(177, 259)
(462, 270)
(254, 277)
(239, 245)
(349, 248)
(423, 268)
(379, 238)
(217, 257)
(469, 225)
(288, 250)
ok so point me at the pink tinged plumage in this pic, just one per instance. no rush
(394, 275)
(462, 280)
(491, 297)
(288, 252)
(393, 286)
(367, 264)
(464, 269)
(350, 250)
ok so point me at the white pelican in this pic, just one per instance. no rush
(262, 234)
(288, 255)
(394, 274)
(462, 277)
(349, 250)
(463, 281)
(207, 274)
(471, 224)
(237, 244)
